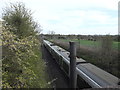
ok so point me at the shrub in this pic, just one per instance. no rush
(22, 65)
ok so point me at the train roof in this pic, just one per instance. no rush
(100, 76)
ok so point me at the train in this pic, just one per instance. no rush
(88, 74)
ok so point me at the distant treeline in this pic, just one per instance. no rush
(85, 37)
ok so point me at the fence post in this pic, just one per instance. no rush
(72, 65)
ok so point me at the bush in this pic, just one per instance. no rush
(18, 19)
(20, 57)
(22, 65)
(106, 51)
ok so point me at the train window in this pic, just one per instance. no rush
(52, 52)
(56, 57)
(66, 68)
(81, 83)
(60, 61)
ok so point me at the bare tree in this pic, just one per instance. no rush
(51, 33)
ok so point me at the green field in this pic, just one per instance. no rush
(89, 43)
(104, 59)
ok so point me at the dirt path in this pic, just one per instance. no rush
(56, 75)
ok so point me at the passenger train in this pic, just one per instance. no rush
(87, 73)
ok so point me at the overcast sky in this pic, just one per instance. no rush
(73, 16)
